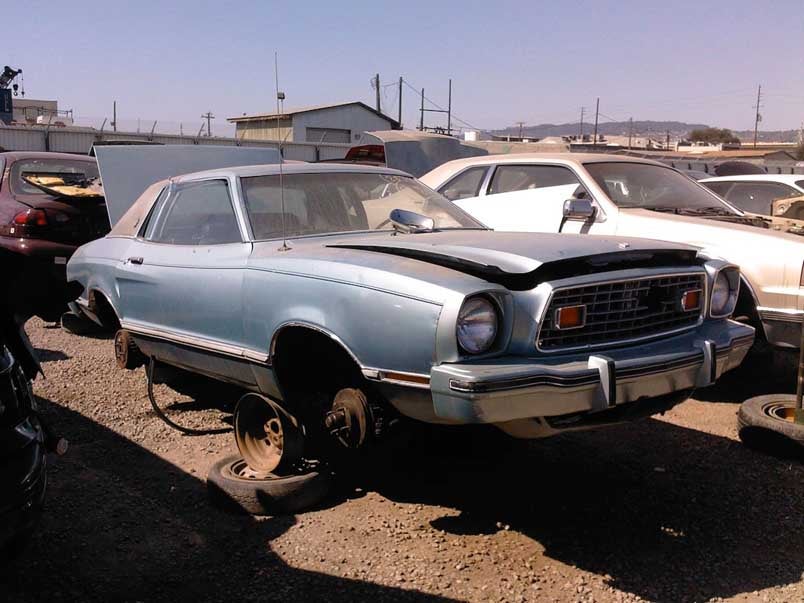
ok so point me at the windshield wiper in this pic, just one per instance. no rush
(694, 211)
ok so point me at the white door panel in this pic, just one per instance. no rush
(532, 210)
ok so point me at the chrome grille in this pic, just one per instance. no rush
(621, 311)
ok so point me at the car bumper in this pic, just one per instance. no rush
(782, 327)
(511, 388)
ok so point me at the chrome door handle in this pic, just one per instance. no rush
(137, 261)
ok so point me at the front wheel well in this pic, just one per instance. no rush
(307, 362)
(746, 309)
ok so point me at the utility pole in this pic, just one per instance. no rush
(667, 141)
(421, 112)
(114, 116)
(630, 131)
(580, 133)
(597, 110)
(377, 91)
(209, 117)
(399, 119)
(520, 124)
(449, 109)
(758, 117)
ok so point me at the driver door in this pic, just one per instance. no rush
(528, 198)
(188, 268)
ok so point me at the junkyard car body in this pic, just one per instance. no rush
(779, 197)
(50, 204)
(24, 435)
(391, 301)
(636, 197)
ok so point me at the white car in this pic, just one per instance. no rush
(612, 195)
(758, 192)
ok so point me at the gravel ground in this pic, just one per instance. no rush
(668, 509)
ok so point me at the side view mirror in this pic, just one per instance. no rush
(409, 221)
(579, 209)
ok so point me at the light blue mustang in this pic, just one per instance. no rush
(372, 291)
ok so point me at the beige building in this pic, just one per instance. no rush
(339, 123)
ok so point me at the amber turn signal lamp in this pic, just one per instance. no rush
(570, 317)
(691, 300)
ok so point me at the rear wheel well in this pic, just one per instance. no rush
(104, 310)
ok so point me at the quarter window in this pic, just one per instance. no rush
(465, 185)
(197, 213)
(551, 178)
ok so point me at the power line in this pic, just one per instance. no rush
(436, 105)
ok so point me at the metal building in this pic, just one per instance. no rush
(338, 123)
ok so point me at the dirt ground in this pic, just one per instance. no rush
(669, 509)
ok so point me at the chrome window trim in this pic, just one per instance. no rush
(629, 340)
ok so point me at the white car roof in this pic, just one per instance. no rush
(440, 174)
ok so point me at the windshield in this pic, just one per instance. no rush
(323, 203)
(646, 186)
(54, 171)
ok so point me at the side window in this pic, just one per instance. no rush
(464, 185)
(197, 213)
(552, 180)
(147, 228)
(757, 197)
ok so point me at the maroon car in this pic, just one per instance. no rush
(50, 204)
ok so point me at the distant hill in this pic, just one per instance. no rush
(656, 129)
(609, 128)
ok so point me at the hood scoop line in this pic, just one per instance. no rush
(522, 281)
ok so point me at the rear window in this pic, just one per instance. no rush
(63, 168)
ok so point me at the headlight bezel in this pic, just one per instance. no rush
(489, 344)
(732, 276)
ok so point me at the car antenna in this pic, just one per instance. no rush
(280, 96)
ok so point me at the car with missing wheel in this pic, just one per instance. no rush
(344, 297)
(604, 194)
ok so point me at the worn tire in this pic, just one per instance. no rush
(126, 353)
(760, 431)
(274, 495)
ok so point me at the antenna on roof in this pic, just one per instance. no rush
(280, 96)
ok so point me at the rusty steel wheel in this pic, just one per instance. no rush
(126, 353)
(268, 437)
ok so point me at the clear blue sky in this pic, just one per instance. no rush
(510, 61)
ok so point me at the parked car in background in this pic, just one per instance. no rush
(371, 296)
(775, 195)
(50, 204)
(613, 195)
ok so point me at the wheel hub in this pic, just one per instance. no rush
(350, 420)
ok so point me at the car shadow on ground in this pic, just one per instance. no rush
(122, 524)
(668, 513)
(51, 355)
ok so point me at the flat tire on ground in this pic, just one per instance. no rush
(762, 419)
(233, 486)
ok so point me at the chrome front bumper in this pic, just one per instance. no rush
(510, 388)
